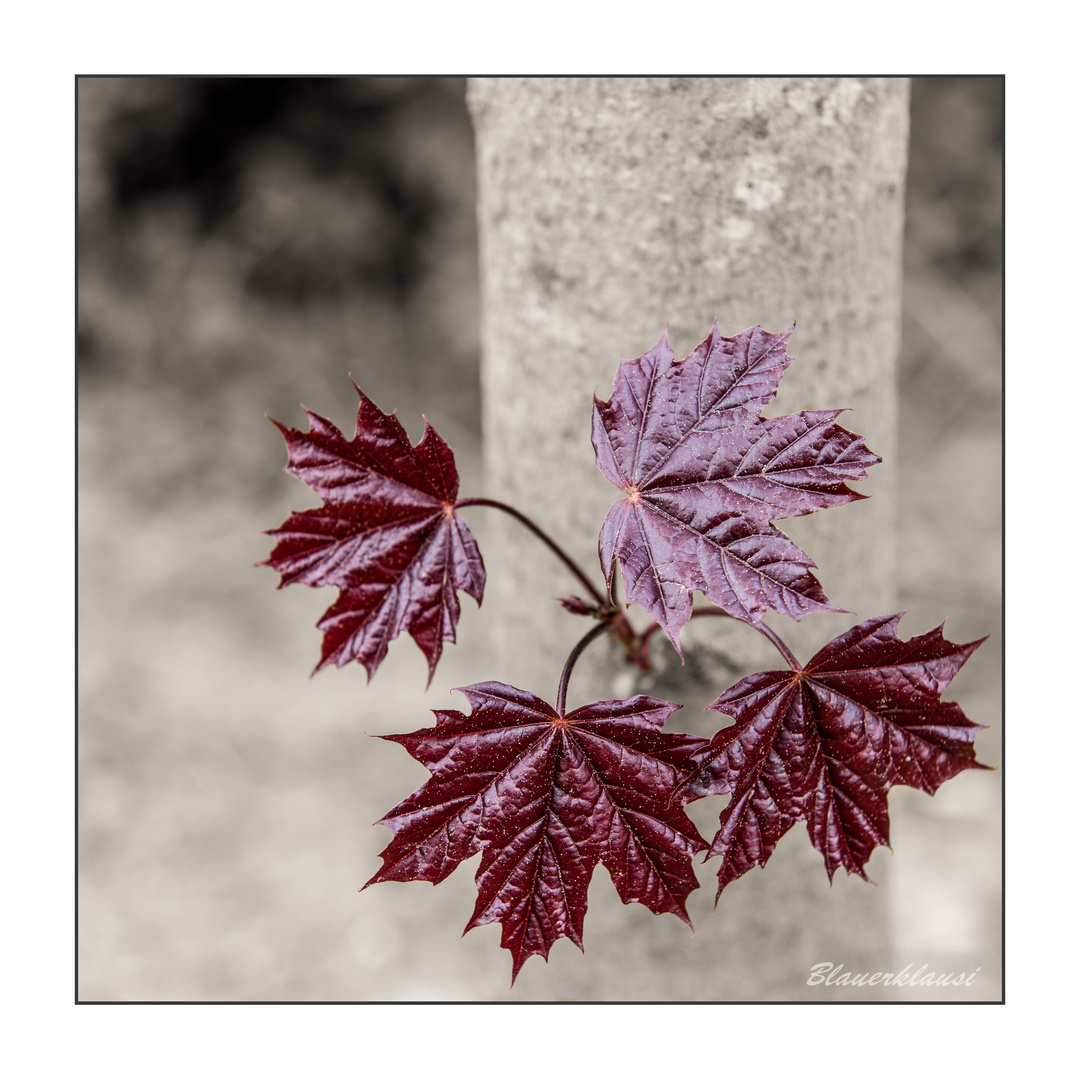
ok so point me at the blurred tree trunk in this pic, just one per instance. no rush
(607, 209)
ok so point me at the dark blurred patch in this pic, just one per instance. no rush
(86, 346)
(199, 141)
(954, 203)
(193, 141)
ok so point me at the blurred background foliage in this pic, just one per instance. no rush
(278, 233)
(246, 243)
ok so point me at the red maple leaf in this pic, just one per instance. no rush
(705, 475)
(545, 798)
(826, 743)
(387, 536)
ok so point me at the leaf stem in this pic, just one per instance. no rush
(784, 651)
(572, 566)
(571, 660)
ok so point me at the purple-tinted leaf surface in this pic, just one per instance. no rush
(387, 536)
(827, 743)
(705, 475)
(546, 798)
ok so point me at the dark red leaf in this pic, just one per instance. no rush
(705, 475)
(387, 536)
(545, 799)
(827, 743)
